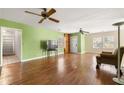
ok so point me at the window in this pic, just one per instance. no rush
(97, 42)
(103, 42)
(108, 42)
(61, 42)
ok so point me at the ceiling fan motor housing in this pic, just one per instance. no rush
(43, 14)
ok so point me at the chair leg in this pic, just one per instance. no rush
(120, 73)
(98, 66)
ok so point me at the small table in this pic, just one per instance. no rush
(49, 50)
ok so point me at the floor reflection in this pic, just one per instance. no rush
(61, 65)
(11, 72)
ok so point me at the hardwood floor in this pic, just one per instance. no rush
(10, 59)
(64, 69)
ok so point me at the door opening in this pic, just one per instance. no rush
(74, 44)
(10, 45)
(66, 43)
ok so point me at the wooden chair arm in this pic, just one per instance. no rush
(103, 52)
(108, 56)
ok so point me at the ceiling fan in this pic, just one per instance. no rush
(45, 14)
(83, 32)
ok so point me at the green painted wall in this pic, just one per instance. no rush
(81, 42)
(31, 38)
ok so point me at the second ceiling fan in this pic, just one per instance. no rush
(45, 14)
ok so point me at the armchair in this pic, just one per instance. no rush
(109, 58)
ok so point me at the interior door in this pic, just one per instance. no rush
(74, 44)
(67, 43)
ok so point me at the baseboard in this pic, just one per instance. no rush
(77, 53)
(40, 57)
(81, 53)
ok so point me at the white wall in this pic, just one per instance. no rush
(89, 41)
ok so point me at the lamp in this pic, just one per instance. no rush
(118, 79)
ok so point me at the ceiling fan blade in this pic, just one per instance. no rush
(41, 20)
(52, 19)
(86, 32)
(83, 32)
(32, 13)
(50, 12)
(45, 9)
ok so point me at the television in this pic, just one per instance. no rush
(52, 44)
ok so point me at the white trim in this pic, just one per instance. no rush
(1, 50)
(35, 58)
(20, 30)
(81, 52)
(40, 57)
(77, 53)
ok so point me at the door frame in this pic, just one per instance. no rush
(1, 49)
(1, 36)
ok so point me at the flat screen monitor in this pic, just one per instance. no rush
(52, 44)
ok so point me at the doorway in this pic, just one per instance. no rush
(10, 45)
(66, 43)
(74, 44)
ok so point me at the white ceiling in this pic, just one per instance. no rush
(71, 19)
